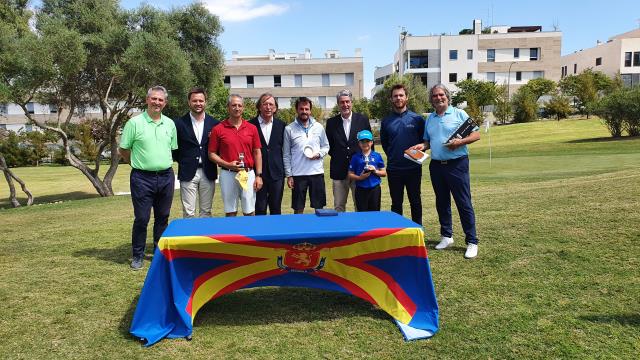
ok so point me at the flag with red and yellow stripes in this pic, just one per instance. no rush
(377, 256)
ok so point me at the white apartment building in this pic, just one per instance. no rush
(620, 54)
(12, 116)
(290, 75)
(509, 55)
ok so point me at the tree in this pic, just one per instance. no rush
(418, 100)
(586, 87)
(482, 93)
(38, 143)
(540, 86)
(10, 176)
(502, 111)
(93, 53)
(288, 115)
(525, 105)
(620, 111)
(559, 105)
(360, 105)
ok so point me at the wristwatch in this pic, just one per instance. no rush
(259, 174)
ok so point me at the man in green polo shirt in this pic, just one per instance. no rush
(146, 143)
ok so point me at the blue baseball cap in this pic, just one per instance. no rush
(365, 135)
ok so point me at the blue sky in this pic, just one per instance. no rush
(255, 26)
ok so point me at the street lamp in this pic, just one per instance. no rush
(509, 81)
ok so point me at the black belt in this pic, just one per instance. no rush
(447, 162)
(154, 172)
(247, 169)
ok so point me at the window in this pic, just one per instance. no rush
(636, 58)
(470, 54)
(491, 55)
(533, 54)
(322, 101)
(598, 61)
(627, 59)
(453, 54)
(277, 81)
(575, 68)
(469, 76)
(516, 53)
(630, 79)
(538, 74)
(30, 108)
(227, 81)
(453, 77)
(349, 79)
(4, 109)
(491, 76)
(298, 80)
(249, 81)
(518, 75)
(418, 59)
(325, 79)
(53, 109)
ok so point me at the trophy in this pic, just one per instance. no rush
(367, 167)
(241, 160)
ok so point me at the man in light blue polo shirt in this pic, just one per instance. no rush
(146, 143)
(449, 168)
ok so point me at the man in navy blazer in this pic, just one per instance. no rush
(342, 131)
(197, 174)
(271, 131)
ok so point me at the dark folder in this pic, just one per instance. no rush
(463, 131)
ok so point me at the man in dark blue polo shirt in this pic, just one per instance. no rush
(399, 131)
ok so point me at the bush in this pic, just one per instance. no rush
(620, 111)
(525, 106)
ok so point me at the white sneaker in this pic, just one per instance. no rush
(472, 251)
(444, 243)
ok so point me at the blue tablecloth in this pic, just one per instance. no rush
(377, 256)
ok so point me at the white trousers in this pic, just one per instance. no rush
(232, 192)
(200, 186)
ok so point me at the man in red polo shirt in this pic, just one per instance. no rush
(235, 146)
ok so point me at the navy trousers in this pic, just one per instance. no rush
(150, 189)
(452, 178)
(411, 180)
(270, 195)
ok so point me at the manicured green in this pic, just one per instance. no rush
(557, 276)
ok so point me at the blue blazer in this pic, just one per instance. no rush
(190, 151)
(342, 148)
(272, 163)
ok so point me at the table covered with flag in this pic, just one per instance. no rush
(377, 256)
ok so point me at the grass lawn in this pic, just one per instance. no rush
(557, 276)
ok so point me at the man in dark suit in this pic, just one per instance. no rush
(197, 174)
(342, 131)
(271, 131)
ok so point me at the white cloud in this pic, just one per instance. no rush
(243, 10)
(363, 37)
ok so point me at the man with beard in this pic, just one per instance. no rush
(197, 174)
(449, 168)
(399, 131)
(235, 146)
(146, 143)
(305, 145)
(271, 131)
(342, 131)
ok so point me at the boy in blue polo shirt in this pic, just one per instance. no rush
(365, 169)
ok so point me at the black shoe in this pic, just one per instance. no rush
(136, 263)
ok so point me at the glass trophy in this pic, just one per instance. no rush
(241, 160)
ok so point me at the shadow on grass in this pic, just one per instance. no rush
(431, 246)
(271, 305)
(263, 306)
(603, 139)
(118, 255)
(622, 319)
(47, 199)
(125, 321)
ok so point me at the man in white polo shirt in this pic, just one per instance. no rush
(305, 145)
